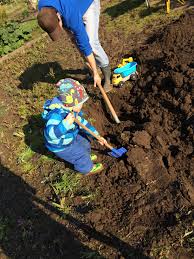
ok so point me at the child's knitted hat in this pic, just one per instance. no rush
(71, 92)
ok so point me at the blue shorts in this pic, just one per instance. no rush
(78, 154)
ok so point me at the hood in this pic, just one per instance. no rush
(53, 106)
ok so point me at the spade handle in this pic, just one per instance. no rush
(98, 137)
(109, 104)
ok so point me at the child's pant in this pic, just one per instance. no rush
(78, 154)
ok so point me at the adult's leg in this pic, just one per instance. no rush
(91, 21)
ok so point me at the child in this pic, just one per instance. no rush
(62, 135)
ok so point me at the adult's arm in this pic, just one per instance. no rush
(75, 24)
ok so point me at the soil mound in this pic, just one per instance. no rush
(141, 193)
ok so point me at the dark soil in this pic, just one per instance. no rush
(142, 192)
(144, 200)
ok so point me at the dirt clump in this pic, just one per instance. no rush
(141, 193)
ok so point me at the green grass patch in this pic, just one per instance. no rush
(3, 109)
(91, 255)
(13, 35)
(14, 9)
(91, 120)
(4, 229)
(65, 187)
(25, 155)
(132, 16)
(66, 184)
(25, 159)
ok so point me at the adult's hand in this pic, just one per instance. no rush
(97, 79)
(92, 65)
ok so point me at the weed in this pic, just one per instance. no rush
(4, 228)
(160, 252)
(25, 13)
(67, 184)
(3, 14)
(187, 240)
(13, 35)
(3, 109)
(26, 227)
(25, 155)
(23, 111)
(63, 206)
(28, 167)
(135, 15)
(24, 158)
(91, 120)
(90, 255)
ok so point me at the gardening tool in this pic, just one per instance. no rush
(114, 152)
(148, 3)
(167, 6)
(109, 104)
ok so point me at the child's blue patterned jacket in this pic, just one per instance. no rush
(58, 132)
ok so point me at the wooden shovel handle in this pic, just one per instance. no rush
(98, 137)
(109, 104)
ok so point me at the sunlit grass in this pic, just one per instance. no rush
(132, 16)
(4, 228)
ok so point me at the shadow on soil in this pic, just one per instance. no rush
(33, 132)
(27, 231)
(49, 72)
(34, 138)
(123, 7)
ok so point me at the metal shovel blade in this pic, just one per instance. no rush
(117, 152)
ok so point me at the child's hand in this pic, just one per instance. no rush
(70, 118)
(102, 141)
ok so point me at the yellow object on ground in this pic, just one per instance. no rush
(168, 6)
(116, 79)
(125, 61)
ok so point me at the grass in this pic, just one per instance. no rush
(90, 255)
(4, 228)
(160, 252)
(17, 9)
(3, 109)
(67, 183)
(91, 120)
(28, 135)
(185, 236)
(24, 160)
(132, 16)
(65, 188)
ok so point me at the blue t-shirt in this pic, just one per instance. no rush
(72, 12)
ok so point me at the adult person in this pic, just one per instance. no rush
(81, 19)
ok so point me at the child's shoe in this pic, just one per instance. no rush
(93, 157)
(97, 168)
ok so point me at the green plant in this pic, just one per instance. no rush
(3, 14)
(91, 120)
(6, 1)
(63, 206)
(13, 35)
(4, 228)
(67, 184)
(187, 239)
(25, 160)
(90, 255)
(25, 13)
